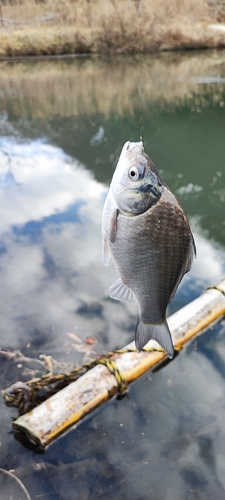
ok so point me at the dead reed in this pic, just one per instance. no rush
(34, 27)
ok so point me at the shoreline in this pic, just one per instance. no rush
(84, 55)
(66, 41)
(46, 57)
(107, 56)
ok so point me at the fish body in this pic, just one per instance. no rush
(147, 235)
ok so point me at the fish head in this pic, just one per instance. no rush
(136, 184)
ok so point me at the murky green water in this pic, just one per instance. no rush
(63, 124)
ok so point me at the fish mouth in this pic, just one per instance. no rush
(134, 147)
(149, 188)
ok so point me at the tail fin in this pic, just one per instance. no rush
(160, 333)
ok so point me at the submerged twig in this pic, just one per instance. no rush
(10, 474)
(18, 356)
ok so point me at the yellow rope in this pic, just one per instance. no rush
(216, 288)
(112, 367)
(25, 395)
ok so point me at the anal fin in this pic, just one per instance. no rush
(119, 291)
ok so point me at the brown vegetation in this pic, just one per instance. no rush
(32, 27)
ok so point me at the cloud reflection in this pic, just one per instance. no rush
(51, 249)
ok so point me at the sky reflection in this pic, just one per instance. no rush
(51, 247)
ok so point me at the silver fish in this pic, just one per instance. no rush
(147, 235)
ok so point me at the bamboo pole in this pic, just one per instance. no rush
(66, 408)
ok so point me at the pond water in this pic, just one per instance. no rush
(63, 124)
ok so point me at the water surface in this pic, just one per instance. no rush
(63, 124)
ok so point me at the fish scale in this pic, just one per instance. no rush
(153, 256)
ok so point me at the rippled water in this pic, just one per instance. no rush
(63, 124)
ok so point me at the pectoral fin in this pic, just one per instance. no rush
(105, 253)
(119, 291)
(109, 235)
(191, 256)
(187, 264)
(160, 333)
(113, 225)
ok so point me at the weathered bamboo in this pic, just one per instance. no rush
(66, 408)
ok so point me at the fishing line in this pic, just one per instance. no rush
(139, 76)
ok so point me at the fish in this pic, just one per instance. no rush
(147, 235)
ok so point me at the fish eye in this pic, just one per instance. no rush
(136, 173)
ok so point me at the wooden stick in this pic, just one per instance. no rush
(66, 408)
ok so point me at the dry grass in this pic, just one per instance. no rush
(107, 26)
